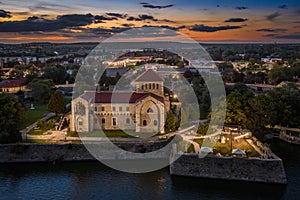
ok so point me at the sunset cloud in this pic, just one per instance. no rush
(273, 16)
(236, 20)
(148, 5)
(204, 28)
(4, 14)
(272, 30)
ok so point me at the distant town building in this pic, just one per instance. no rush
(270, 60)
(12, 86)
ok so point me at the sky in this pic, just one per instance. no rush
(202, 20)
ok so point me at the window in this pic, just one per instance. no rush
(146, 86)
(142, 87)
(127, 108)
(157, 86)
(114, 121)
(120, 109)
(114, 108)
(153, 86)
(103, 120)
(80, 123)
(155, 122)
(150, 86)
(150, 110)
(144, 123)
(96, 108)
(127, 121)
(102, 108)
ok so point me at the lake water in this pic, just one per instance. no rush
(92, 180)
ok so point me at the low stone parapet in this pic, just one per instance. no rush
(289, 138)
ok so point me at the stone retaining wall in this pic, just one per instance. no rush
(14, 153)
(229, 168)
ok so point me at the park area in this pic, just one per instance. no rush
(33, 115)
(222, 148)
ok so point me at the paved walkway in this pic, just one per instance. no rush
(28, 128)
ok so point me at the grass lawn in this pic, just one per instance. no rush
(37, 132)
(225, 149)
(32, 116)
(68, 99)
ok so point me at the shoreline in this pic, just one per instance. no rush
(263, 170)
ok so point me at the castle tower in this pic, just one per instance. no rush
(151, 82)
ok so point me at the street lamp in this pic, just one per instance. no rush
(65, 135)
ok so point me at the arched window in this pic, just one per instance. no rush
(142, 87)
(150, 86)
(155, 122)
(144, 122)
(150, 110)
(146, 86)
(127, 121)
(153, 86)
(103, 120)
(157, 86)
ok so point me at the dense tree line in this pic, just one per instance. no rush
(11, 113)
(280, 106)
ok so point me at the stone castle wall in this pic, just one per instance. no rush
(16, 153)
(230, 168)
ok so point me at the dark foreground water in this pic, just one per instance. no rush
(91, 180)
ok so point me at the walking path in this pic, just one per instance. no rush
(28, 128)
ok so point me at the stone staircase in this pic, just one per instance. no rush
(64, 121)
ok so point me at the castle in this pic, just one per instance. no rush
(142, 110)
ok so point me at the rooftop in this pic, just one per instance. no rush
(118, 97)
(13, 83)
(150, 76)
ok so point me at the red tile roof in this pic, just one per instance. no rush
(118, 97)
(149, 75)
(12, 83)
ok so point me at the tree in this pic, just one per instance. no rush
(11, 113)
(284, 106)
(170, 125)
(259, 113)
(188, 75)
(236, 109)
(278, 75)
(41, 90)
(203, 128)
(56, 103)
(56, 73)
